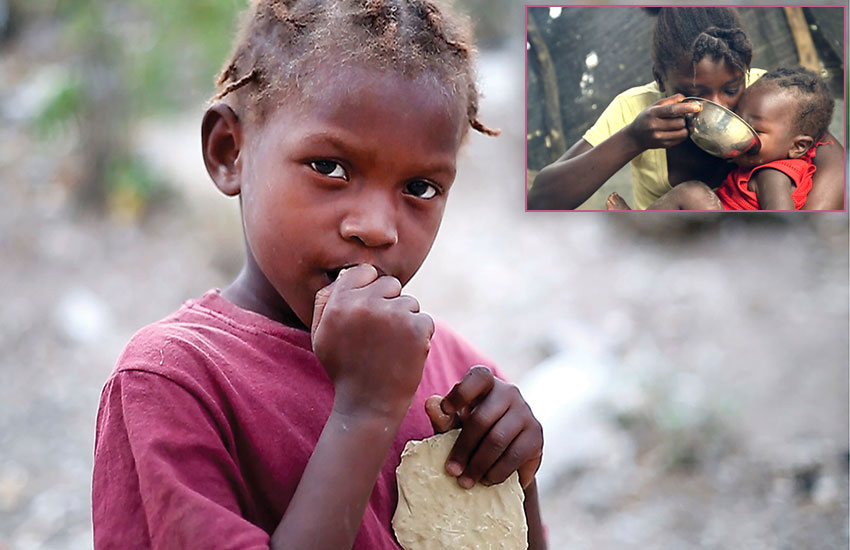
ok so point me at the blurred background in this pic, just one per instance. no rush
(690, 371)
(580, 58)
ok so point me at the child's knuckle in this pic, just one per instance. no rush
(496, 476)
(515, 455)
(499, 440)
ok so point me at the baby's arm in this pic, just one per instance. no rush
(373, 343)
(828, 182)
(499, 435)
(773, 189)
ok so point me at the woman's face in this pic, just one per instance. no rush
(712, 79)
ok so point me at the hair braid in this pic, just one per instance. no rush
(687, 34)
(434, 20)
(730, 44)
(280, 43)
(233, 86)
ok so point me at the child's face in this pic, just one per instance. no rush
(357, 172)
(770, 111)
(710, 79)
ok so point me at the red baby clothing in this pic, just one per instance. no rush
(734, 193)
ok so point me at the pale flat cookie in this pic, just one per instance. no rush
(435, 513)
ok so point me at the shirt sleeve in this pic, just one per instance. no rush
(613, 119)
(163, 478)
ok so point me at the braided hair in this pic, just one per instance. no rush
(814, 101)
(281, 44)
(690, 34)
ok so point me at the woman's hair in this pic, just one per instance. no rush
(814, 101)
(281, 44)
(684, 34)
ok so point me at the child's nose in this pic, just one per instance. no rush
(371, 222)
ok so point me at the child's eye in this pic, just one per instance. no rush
(732, 93)
(329, 168)
(421, 189)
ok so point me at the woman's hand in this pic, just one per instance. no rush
(662, 124)
(499, 433)
(828, 183)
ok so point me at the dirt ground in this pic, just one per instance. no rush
(691, 373)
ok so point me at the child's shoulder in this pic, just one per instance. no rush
(204, 333)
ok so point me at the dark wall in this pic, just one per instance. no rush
(620, 37)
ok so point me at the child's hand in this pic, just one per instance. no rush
(499, 433)
(662, 124)
(371, 340)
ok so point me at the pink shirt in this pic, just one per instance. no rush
(207, 423)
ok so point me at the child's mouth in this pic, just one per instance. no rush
(333, 274)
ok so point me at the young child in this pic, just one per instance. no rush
(272, 414)
(790, 110)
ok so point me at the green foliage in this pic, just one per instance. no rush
(131, 187)
(126, 61)
(60, 108)
(184, 46)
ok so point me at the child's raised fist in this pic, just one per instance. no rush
(371, 340)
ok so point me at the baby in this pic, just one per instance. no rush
(790, 110)
(272, 413)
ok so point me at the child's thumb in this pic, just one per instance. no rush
(322, 297)
(440, 421)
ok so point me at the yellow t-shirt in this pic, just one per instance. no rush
(649, 169)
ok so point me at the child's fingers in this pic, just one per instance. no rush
(475, 428)
(675, 98)
(524, 455)
(389, 287)
(494, 445)
(408, 302)
(440, 421)
(355, 277)
(475, 384)
(349, 278)
(670, 124)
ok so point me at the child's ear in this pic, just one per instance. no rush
(801, 144)
(221, 139)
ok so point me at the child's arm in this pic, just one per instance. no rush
(773, 189)
(828, 182)
(499, 435)
(572, 179)
(373, 343)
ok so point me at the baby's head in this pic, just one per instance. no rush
(702, 52)
(790, 109)
(338, 124)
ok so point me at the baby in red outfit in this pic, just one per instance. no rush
(790, 110)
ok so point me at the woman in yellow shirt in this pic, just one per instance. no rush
(700, 52)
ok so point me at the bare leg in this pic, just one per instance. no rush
(689, 195)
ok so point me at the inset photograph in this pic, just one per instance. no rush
(685, 108)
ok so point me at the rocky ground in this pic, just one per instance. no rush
(691, 372)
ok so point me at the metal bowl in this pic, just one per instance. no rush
(720, 132)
